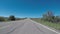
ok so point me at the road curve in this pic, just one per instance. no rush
(26, 26)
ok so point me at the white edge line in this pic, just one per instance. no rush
(45, 27)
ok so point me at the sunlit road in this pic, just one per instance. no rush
(26, 26)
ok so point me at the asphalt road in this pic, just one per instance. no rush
(26, 26)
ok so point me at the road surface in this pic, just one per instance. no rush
(26, 26)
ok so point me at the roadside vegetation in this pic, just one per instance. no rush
(49, 19)
(2, 19)
(10, 18)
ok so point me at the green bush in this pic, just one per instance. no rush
(2, 19)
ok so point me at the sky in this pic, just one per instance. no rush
(28, 8)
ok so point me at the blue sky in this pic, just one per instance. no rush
(28, 8)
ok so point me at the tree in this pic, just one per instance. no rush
(12, 18)
(49, 16)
